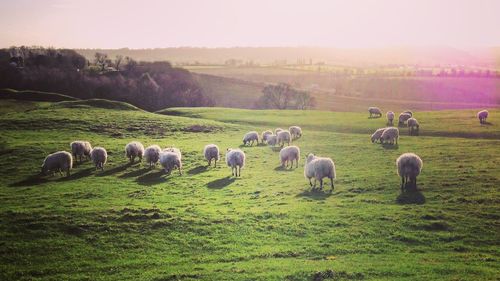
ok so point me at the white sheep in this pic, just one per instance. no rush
(390, 135)
(413, 126)
(171, 160)
(174, 150)
(482, 115)
(235, 158)
(409, 166)
(277, 130)
(57, 162)
(377, 135)
(288, 155)
(403, 117)
(250, 138)
(152, 155)
(134, 149)
(390, 117)
(265, 135)
(272, 140)
(409, 112)
(211, 152)
(295, 132)
(319, 168)
(375, 111)
(99, 156)
(81, 149)
(284, 136)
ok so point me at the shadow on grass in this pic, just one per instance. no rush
(197, 170)
(316, 194)
(276, 148)
(152, 178)
(284, 169)
(30, 181)
(487, 123)
(38, 179)
(411, 195)
(221, 183)
(390, 146)
(78, 175)
(114, 170)
(135, 173)
(374, 117)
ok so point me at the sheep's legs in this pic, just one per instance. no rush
(402, 183)
(310, 183)
(215, 163)
(297, 160)
(321, 184)
(209, 162)
(331, 181)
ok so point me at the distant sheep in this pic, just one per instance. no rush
(272, 140)
(413, 126)
(482, 115)
(409, 112)
(235, 158)
(390, 135)
(81, 149)
(374, 111)
(377, 135)
(277, 130)
(265, 135)
(390, 117)
(284, 136)
(152, 155)
(288, 155)
(403, 117)
(319, 168)
(250, 138)
(170, 160)
(295, 132)
(57, 162)
(211, 152)
(99, 156)
(134, 149)
(409, 166)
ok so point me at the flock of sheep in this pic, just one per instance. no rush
(409, 165)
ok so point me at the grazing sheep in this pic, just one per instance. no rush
(482, 115)
(378, 133)
(295, 132)
(152, 155)
(319, 168)
(174, 150)
(134, 149)
(272, 140)
(277, 130)
(250, 137)
(413, 126)
(375, 111)
(390, 117)
(409, 112)
(390, 135)
(57, 162)
(288, 154)
(211, 151)
(284, 136)
(80, 149)
(235, 158)
(170, 160)
(265, 135)
(409, 167)
(403, 117)
(99, 156)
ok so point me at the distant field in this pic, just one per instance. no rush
(132, 223)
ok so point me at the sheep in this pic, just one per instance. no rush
(250, 137)
(284, 136)
(211, 151)
(152, 155)
(409, 112)
(174, 150)
(272, 140)
(482, 115)
(319, 168)
(265, 135)
(57, 162)
(409, 166)
(277, 130)
(374, 111)
(390, 117)
(378, 133)
(403, 117)
(295, 132)
(80, 149)
(413, 126)
(235, 158)
(390, 135)
(288, 154)
(170, 159)
(99, 156)
(134, 149)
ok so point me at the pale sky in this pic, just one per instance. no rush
(228, 23)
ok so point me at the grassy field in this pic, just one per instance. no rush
(132, 223)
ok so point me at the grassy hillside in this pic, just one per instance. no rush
(132, 223)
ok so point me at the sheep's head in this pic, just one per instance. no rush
(310, 157)
(44, 170)
(229, 149)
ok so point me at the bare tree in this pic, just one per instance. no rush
(118, 61)
(283, 96)
(101, 60)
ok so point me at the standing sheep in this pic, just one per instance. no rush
(284, 136)
(265, 135)
(288, 154)
(174, 150)
(272, 140)
(390, 135)
(377, 135)
(374, 111)
(57, 162)
(81, 149)
(235, 158)
(319, 168)
(250, 138)
(211, 151)
(409, 167)
(390, 118)
(413, 126)
(99, 156)
(277, 130)
(152, 155)
(171, 160)
(403, 117)
(408, 112)
(482, 115)
(134, 149)
(295, 132)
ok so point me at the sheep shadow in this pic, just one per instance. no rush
(78, 175)
(197, 170)
(487, 123)
(390, 146)
(316, 194)
(30, 181)
(152, 178)
(276, 148)
(410, 195)
(284, 169)
(135, 173)
(374, 117)
(221, 183)
(114, 170)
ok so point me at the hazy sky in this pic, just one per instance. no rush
(226, 23)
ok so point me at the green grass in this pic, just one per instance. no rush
(30, 95)
(131, 223)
